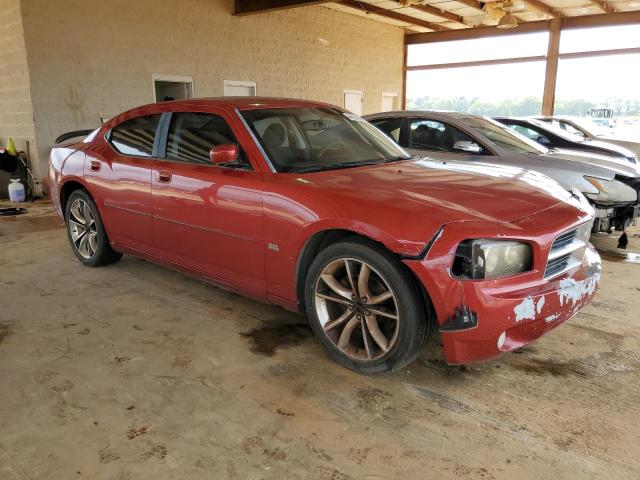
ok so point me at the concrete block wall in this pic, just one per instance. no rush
(16, 112)
(91, 56)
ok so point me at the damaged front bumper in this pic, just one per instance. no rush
(515, 318)
(480, 319)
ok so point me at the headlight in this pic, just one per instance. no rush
(478, 259)
(611, 191)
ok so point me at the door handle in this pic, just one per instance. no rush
(94, 165)
(163, 176)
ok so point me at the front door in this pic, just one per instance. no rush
(208, 217)
(443, 141)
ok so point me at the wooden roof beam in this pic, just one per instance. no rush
(544, 8)
(362, 6)
(436, 12)
(476, 5)
(583, 21)
(602, 5)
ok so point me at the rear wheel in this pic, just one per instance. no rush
(365, 308)
(86, 232)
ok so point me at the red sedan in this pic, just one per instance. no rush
(307, 206)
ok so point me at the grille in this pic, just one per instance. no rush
(563, 240)
(557, 265)
(567, 250)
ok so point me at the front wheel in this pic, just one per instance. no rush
(365, 307)
(86, 232)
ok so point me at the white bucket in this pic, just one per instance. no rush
(16, 190)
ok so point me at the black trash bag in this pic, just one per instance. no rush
(8, 162)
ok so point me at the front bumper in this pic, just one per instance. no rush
(480, 319)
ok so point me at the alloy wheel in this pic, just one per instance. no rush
(83, 229)
(357, 309)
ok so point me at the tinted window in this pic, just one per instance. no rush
(136, 136)
(390, 126)
(434, 135)
(192, 135)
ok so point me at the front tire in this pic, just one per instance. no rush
(365, 308)
(86, 232)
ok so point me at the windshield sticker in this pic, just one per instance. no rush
(353, 116)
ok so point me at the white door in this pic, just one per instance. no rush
(353, 101)
(239, 89)
(389, 102)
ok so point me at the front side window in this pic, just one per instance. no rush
(390, 126)
(136, 136)
(192, 135)
(435, 135)
(307, 139)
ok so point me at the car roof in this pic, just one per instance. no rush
(436, 114)
(244, 103)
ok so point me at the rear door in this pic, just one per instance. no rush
(119, 176)
(208, 217)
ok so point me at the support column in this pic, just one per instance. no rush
(404, 77)
(551, 72)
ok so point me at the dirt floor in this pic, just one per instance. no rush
(133, 371)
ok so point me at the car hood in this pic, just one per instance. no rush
(444, 191)
(589, 162)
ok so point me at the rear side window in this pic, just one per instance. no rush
(136, 136)
(192, 135)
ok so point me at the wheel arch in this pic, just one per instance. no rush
(324, 238)
(67, 188)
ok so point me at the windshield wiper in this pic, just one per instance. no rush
(336, 166)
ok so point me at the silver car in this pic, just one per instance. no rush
(611, 184)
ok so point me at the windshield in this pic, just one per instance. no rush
(503, 137)
(313, 139)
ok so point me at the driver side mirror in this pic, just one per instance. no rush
(225, 153)
(467, 146)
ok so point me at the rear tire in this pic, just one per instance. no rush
(86, 232)
(365, 307)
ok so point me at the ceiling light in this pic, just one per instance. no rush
(508, 21)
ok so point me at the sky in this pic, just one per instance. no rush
(595, 78)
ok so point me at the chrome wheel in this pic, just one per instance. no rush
(357, 309)
(82, 228)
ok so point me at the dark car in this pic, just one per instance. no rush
(552, 137)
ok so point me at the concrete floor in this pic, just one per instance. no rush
(133, 372)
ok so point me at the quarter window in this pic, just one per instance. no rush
(434, 135)
(136, 136)
(192, 135)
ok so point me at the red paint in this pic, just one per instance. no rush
(222, 224)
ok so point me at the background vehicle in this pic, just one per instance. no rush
(611, 185)
(574, 127)
(310, 207)
(551, 137)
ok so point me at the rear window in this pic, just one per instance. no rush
(136, 136)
